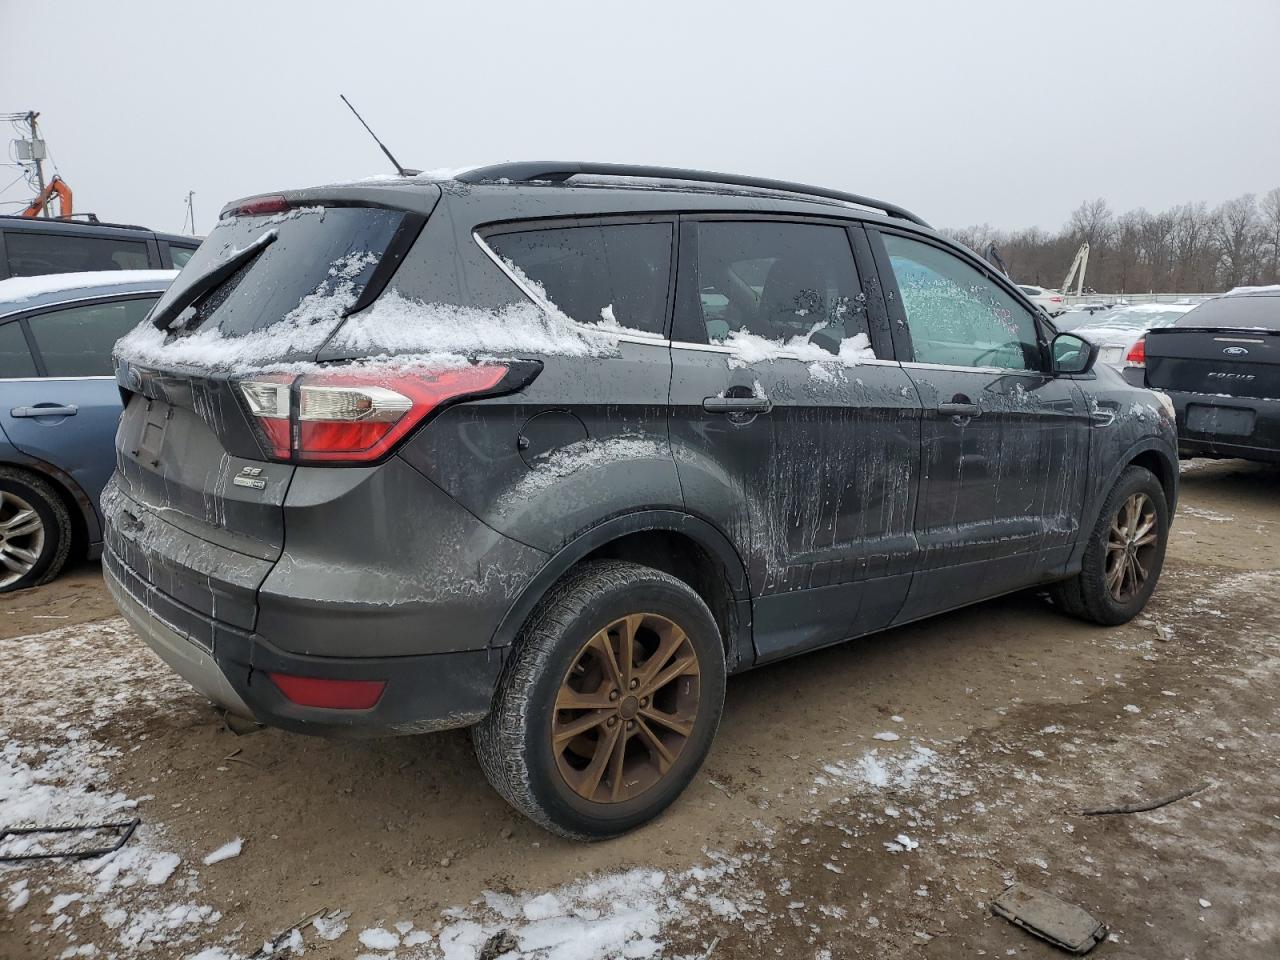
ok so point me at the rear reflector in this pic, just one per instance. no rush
(329, 694)
(1137, 355)
(354, 417)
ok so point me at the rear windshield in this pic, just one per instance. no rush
(1257, 312)
(316, 268)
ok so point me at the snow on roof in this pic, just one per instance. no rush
(19, 289)
(1243, 291)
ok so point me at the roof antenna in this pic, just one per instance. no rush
(403, 171)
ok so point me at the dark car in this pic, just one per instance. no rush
(1220, 363)
(551, 449)
(34, 246)
(59, 406)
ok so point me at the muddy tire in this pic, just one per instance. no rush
(608, 704)
(35, 530)
(1125, 554)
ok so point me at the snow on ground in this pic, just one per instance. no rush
(55, 771)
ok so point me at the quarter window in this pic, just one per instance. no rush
(77, 341)
(955, 314)
(774, 280)
(36, 254)
(15, 358)
(618, 273)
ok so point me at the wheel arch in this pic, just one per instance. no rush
(86, 530)
(1149, 453)
(677, 543)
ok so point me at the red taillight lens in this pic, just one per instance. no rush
(1137, 355)
(1055, 299)
(329, 694)
(354, 417)
(259, 206)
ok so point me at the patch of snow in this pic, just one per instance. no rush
(886, 735)
(330, 926)
(20, 289)
(1132, 708)
(376, 938)
(1242, 291)
(751, 348)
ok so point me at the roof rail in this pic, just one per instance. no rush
(557, 171)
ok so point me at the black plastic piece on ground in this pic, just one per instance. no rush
(124, 830)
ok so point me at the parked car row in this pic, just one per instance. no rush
(550, 453)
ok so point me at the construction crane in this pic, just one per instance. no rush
(57, 186)
(1081, 264)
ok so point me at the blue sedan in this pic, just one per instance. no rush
(59, 407)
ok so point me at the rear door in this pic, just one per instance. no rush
(66, 412)
(1004, 443)
(794, 429)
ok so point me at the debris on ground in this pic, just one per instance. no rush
(1063, 924)
(1143, 806)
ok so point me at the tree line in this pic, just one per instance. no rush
(1189, 249)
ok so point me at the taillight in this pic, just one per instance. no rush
(1137, 355)
(259, 206)
(1055, 299)
(353, 417)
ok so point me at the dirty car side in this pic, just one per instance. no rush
(856, 497)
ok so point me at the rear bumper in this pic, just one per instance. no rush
(423, 693)
(1261, 441)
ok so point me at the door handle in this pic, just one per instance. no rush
(959, 410)
(45, 410)
(737, 405)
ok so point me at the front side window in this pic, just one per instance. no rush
(618, 273)
(955, 314)
(15, 358)
(77, 341)
(778, 281)
(37, 254)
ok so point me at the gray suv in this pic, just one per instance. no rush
(550, 449)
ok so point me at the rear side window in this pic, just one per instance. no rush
(180, 256)
(77, 341)
(616, 272)
(15, 358)
(774, 280)
(37, 254)
(1261, 312)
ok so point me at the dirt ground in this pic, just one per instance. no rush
(806, 835)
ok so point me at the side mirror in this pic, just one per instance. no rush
(1072, 354)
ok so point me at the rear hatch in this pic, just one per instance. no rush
(1227, 349)
(197, 506)
(1229, 346)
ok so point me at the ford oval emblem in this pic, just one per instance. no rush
(1235, 351)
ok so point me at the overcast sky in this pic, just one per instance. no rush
(1009, 113)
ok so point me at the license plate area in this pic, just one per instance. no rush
(1228, 421)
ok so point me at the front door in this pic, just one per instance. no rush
(1004, 442)
(792, 426)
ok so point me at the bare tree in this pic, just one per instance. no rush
(1235, 230)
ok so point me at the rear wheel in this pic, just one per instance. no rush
(1125, 554)
(35, 530)
(609, 703)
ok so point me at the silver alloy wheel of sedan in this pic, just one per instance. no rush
(21, 538)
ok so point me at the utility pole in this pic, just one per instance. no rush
(37, 157)
(191, 212)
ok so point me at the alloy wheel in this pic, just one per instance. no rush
(626, 708)
(21, 538)
(1131, 547)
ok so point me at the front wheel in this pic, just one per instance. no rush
(609, 703)
(1125, 554)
